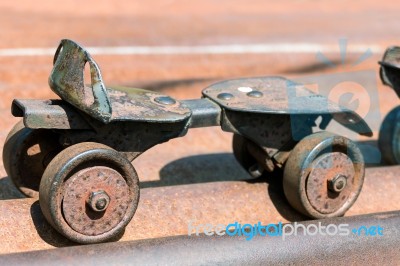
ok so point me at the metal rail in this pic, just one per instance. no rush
(224, 250)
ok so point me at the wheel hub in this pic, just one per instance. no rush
(95, 200)
(330, 181)
(98, 200)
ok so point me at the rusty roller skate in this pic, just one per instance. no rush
(389, 133)
(75, 153)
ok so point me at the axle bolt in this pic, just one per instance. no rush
(98, 201)
(337, 184)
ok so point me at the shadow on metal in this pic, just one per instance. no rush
(223, 167)
(370, 151)
(278, 199)
(310, 67)
(8, 190)
(45, 231)
(163, 85)
(199, 169)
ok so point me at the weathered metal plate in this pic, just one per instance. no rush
(67, 81)
(279, 95)
(107, 104)
(48, 114)
(128, 105)
(141, 105)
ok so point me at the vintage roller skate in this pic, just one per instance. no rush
(389, 133)
(75, 153)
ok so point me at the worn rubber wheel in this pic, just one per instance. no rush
(389, 137)
(26, 154)
(323, 175)
(89, 193)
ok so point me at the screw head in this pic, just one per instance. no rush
(337, 184)
(225, 96)
(165, 100)
(98, 200)
(255, 94)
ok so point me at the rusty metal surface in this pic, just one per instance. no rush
(67, 81)
(26, 77)
(271, 127)
(64, 204)
(130, 104)
(205, 113)
(277, 95)
(283, 96)
(95, 199)
(68, 183)
(48, 114)
(261, 250)
(107, 105)
(166, 206)
(325, 192)
(316, 160)
(59, 201)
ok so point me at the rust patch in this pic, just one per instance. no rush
(324, 169)
(139, 105)
(276, 95)
(77, 189)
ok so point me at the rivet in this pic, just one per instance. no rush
(225, 96)
(255, 94)
(164, 100)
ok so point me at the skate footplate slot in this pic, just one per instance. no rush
(54, 114)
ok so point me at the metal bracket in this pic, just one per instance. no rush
(67, 81)
(390, 68)
(50, 114)
(277, 95)
(107, 104)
